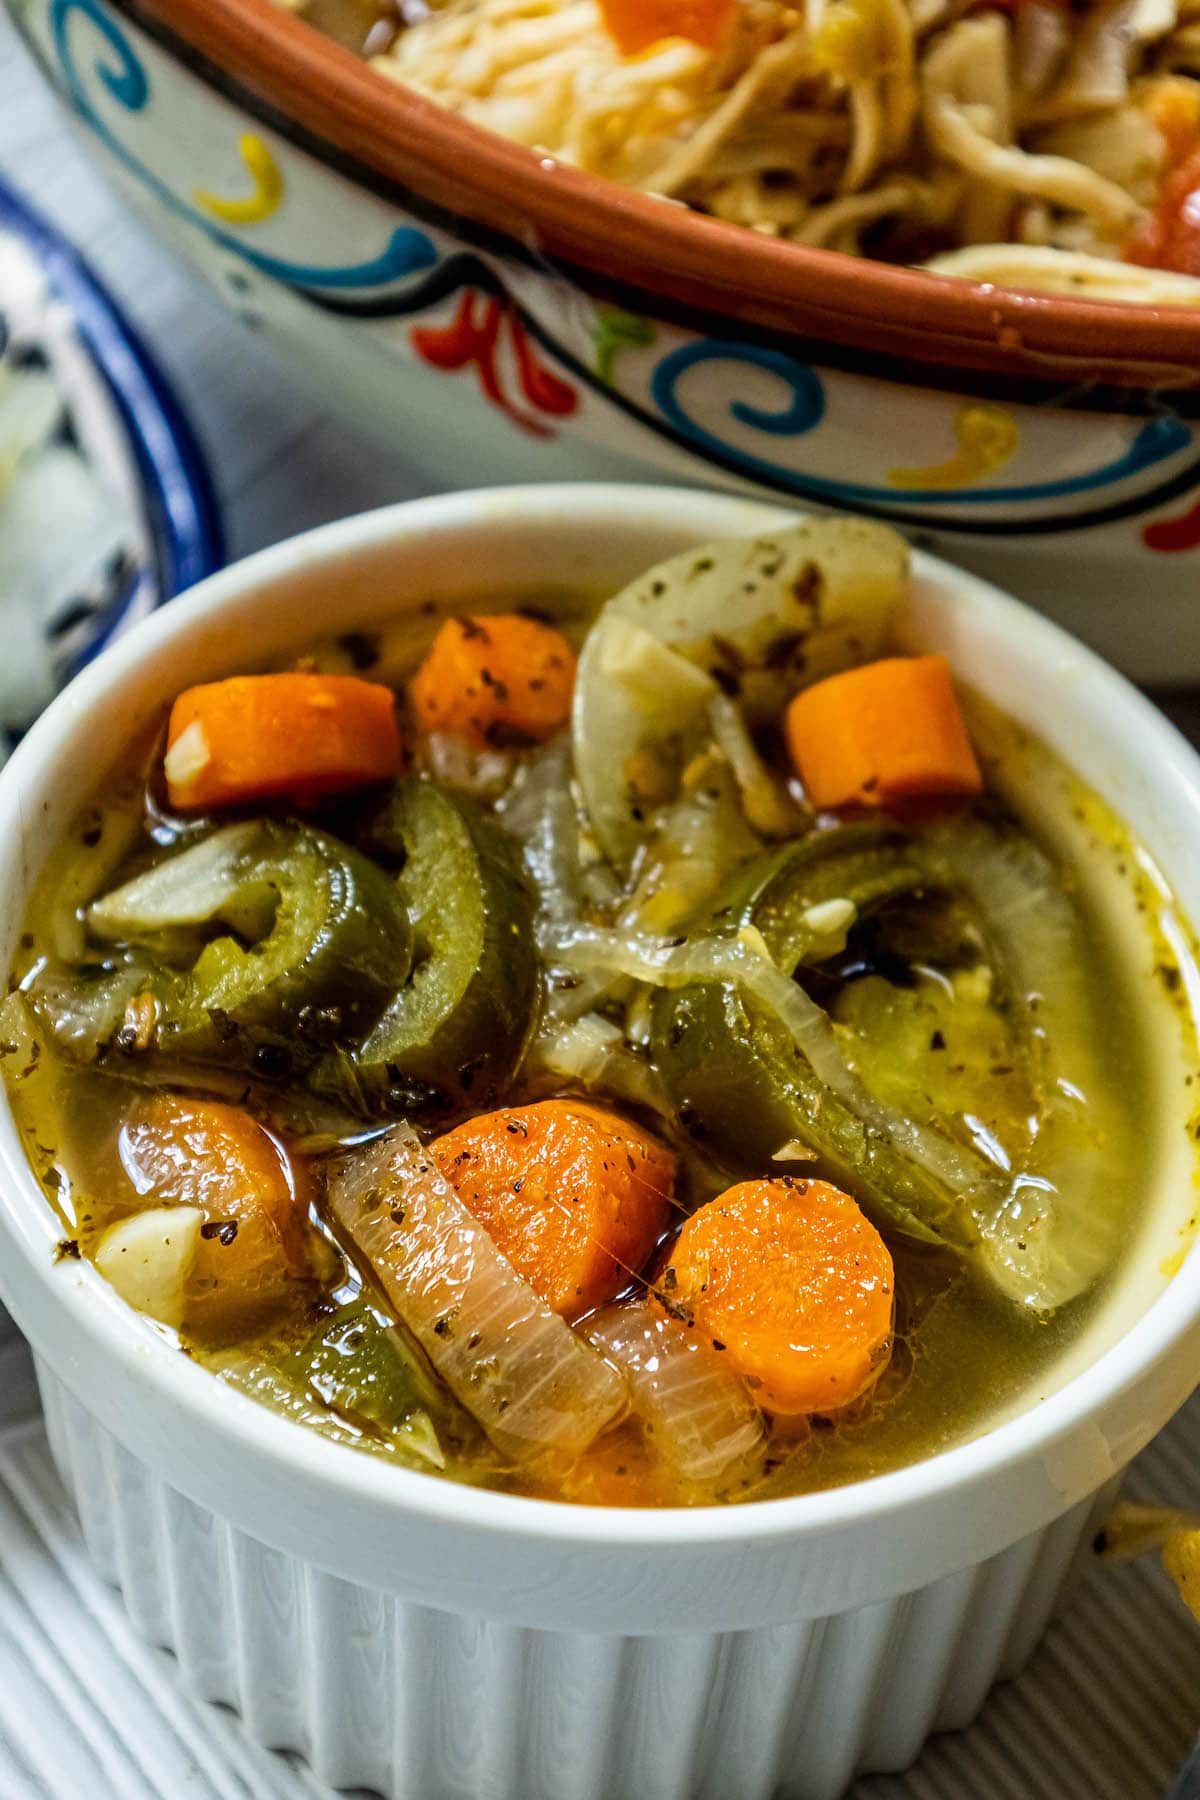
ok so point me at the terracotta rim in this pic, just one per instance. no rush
(666, 252)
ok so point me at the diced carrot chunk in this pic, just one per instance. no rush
(259, 737)
(495, 678)
(255, 1245)
(573, 1195)
(889, 731)
(795, 1286)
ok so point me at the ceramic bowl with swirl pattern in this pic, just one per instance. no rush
(431, 274)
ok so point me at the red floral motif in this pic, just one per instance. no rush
(1179, 533)
(468, 340)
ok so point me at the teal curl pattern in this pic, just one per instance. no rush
(407, 252)
(804, 409)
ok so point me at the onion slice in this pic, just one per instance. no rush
(697, 1412)
(666, 963)
(1056, 1229)
(532, 1384)
(775, 613)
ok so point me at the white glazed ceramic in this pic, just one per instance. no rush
(1080, 495)
(439, 1643)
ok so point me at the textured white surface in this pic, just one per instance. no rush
(423, 1705)
(87, 1710)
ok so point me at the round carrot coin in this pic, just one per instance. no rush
(794, 1284)
(573, 1195)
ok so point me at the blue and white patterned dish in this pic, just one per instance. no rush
(106, 413)
(115, 511)
(423, 272)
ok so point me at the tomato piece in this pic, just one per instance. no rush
(1171, 239)
(634, 25)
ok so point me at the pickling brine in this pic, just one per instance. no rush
(663, 1051)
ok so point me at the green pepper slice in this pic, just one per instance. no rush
(315, 944)
(736, 1075)
(460, 1023)
(358, 1365)
(868, 864)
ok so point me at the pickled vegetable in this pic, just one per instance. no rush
(696, 1409)
(582, 1113)
(495, 679)
(458, 1025)
(574, 1195)
(796, 1287)
(760, 619)
(756, 1090)
(298, 735)
(360, 1366)
(251, 1250)
(532, 1384)
(316, 943)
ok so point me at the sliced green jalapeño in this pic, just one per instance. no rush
(738, 1078)
(459, 1024)
(277, 941)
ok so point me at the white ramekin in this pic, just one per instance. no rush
(440, 1643)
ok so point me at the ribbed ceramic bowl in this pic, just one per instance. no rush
(477, 302)
(441, 1643)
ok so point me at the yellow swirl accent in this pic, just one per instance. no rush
(265, 173)
(987, 437)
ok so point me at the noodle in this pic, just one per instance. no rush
(1021, 140)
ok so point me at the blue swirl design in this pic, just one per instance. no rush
(407, 251)
(1155, 442)
(804, 410)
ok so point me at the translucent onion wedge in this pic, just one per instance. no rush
(539, 811)
(187, 889)
(697, 1412)
(1056, 1230)
(768, 805)
(637, 705)
(593, 1052)
(772, 613)
(532, 1384)
(664, 963)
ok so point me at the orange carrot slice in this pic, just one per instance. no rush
(794, 1284)
(889, 731)
(494, 679)
(634, 25)
(254, 1244)
(574, 1196)
(258, 737)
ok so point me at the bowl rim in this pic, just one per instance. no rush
(179, 501)
(274, 60)
(113, 1330)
